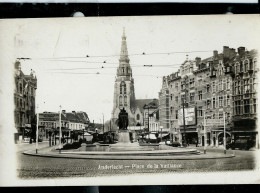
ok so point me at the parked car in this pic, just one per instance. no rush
(173, 143)
(242, 143)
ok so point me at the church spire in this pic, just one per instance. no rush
(124, 52)
(124, 68)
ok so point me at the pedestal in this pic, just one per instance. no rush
(124, 136)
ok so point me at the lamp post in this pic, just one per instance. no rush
(183, 115)
(147, 106)
(60, 132)
(205, 140)
(161, 127)
(37, 129)
(225, 151)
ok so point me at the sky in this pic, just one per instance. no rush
(66, 77)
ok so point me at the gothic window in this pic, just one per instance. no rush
(122, 88)
(125, 100)
(176, 114)
(120, 101)
(137, 117)
(20, 88)
(123, 70)
(208, 104)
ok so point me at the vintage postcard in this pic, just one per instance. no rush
(129, 100)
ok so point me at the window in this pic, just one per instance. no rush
(246, 85)
(171, 110)
(220, 85)
(228, 100)
(220, 116)
(176, 114)
(213, 102)
(200, 113)
(125, 100)
(192, 96)
(171, 97)
(208, 87)
(246, 106)
(241, 67)
(183, 85)
(137, 117)
(122, 88)
(213, 87)
(120, 101)
(221, 101)
(192, 82)
(254, 106)
(176, 86)
(237, 107)
(176, 99)
(200, 95)
(246, 66)
(208, 104)
(20, 88)
(228, 83)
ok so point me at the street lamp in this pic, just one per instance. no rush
(147, 106)
(161, 127)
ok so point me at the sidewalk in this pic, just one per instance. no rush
(52, 152)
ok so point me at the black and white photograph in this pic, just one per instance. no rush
(130, 100)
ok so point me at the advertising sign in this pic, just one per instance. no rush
(48, 116)
(190, 116)
(217, 122)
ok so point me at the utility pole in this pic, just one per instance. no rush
(225, 141)
(37, 129)
(183, 115)
(103, 123)
(205, 134)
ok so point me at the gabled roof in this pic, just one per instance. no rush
(139, 103)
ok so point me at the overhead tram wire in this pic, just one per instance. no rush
(138, 54)
(111, 74)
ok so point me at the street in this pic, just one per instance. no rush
(29, 167)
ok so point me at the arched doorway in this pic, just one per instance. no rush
(202, 142)
(220, 138)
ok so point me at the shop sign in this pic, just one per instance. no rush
(214, 122)
(48, 116)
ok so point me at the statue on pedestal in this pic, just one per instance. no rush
(122, 120)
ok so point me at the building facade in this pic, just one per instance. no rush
(70, 121)
(124, 93)
(221, 85)
(24, 100)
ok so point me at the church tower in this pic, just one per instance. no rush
(124, 95)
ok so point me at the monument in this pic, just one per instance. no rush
(123, 132)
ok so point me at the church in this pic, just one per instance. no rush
(124, 93)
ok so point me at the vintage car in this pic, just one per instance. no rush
(242, 143)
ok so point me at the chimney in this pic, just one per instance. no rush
(215, 54)
(241, 51)
(232, 53)
(74, 112)
(63, 111)
(225, 51)
(198, 60)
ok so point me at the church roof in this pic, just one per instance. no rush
(139, 103)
